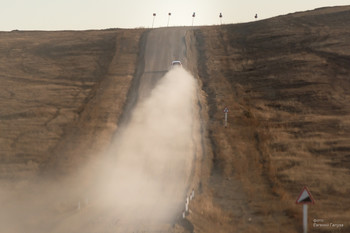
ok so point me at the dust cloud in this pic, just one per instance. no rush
(149, 163)
(139, 182)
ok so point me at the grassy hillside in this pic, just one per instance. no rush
(286, 82)
(59, 93)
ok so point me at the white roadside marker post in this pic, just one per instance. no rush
(305, 199)
(187, 203)
(305, 218)
(154, 16)
(226, 111)
(169, 14)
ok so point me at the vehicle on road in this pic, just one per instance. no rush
(176, 64)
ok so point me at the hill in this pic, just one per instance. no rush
(286, 83)
(61, 94)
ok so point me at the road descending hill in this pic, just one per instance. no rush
(68, 100)
(132, 179)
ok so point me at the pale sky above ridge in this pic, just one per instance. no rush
(101, 14)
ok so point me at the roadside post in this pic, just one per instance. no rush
(193, 16)
(220, 18)
(305, 199)
(154, 16)
(169, 14)
(226, 111)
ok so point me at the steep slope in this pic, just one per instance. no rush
(286, 83)
(118, 178)
(50, 85)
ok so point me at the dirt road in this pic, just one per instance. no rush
(163, 46)
(140, 182)
(155, 148)
(71, 104)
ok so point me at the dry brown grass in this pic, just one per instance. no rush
(285, 82)
(50, 84)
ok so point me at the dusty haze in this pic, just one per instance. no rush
(140, 181)
(149, 163)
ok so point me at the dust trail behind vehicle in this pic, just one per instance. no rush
(146, 172)
(139, 182)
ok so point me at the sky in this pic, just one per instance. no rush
(102, 14)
